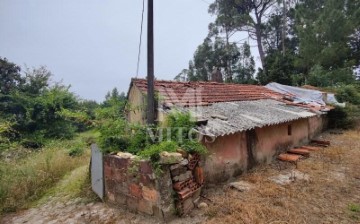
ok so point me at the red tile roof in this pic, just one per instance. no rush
(205, 93)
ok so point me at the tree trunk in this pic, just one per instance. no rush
(259, 43)
(228, 61)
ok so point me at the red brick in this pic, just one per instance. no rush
(135, 190)
(199, 175)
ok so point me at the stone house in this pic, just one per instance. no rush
(241, 125)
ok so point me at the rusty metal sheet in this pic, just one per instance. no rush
(97, 171)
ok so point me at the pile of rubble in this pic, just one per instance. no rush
(187, 178)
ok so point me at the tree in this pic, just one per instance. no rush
(226, 25)
(10, 78)
(210, 55)
(36, 80)
(245, 68)
(113, 96)
(247, 15)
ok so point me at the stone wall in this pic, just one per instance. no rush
(173, 189)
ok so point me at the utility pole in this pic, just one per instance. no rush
(150, 64)
(283, 35)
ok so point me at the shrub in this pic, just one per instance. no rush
(194, 147)
(153, 151)
(348, 93)
(77, 150)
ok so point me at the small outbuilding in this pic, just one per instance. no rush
(242, 125)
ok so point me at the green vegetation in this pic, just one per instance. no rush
(116, 134)
(26, 179)
(354, 207)
(33, 110)
(303, 42)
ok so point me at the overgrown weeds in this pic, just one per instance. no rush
(25, 180)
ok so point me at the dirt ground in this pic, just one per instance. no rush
(326, 189)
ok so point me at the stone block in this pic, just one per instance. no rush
(187, 205)
(196, 195)
(110, 196)
(122, 188)
(145, 167)
(146, 180)
(183, 176)
(119, 175)
(120, 199)
(125, 155)
(168, 212)
(182, 152)
(178, 171)
(150, 195)
(120, 163)
(145, 207)
(132, 203)
(170, 158)
(135, 190)
(110, 185)
(158, 212)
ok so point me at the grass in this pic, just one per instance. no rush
(25, 180)
(354, 207)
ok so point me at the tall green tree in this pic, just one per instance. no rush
(10, 77)
(247, 16)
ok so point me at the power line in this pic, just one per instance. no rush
(206, 2)
(141, 31)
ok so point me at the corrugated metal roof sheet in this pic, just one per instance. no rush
(230, 117)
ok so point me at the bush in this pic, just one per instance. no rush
(348, 93)
(344, 118)
(153, 151)
(77, 150)
(194, 147)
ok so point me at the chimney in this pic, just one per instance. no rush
(216, 75)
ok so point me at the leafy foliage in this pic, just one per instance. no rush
(349, 93)
(153, 152)
(37, 109)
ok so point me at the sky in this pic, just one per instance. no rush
(93, 44)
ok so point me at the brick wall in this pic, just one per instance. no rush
(132, 183)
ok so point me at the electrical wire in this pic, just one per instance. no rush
(141, 31)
